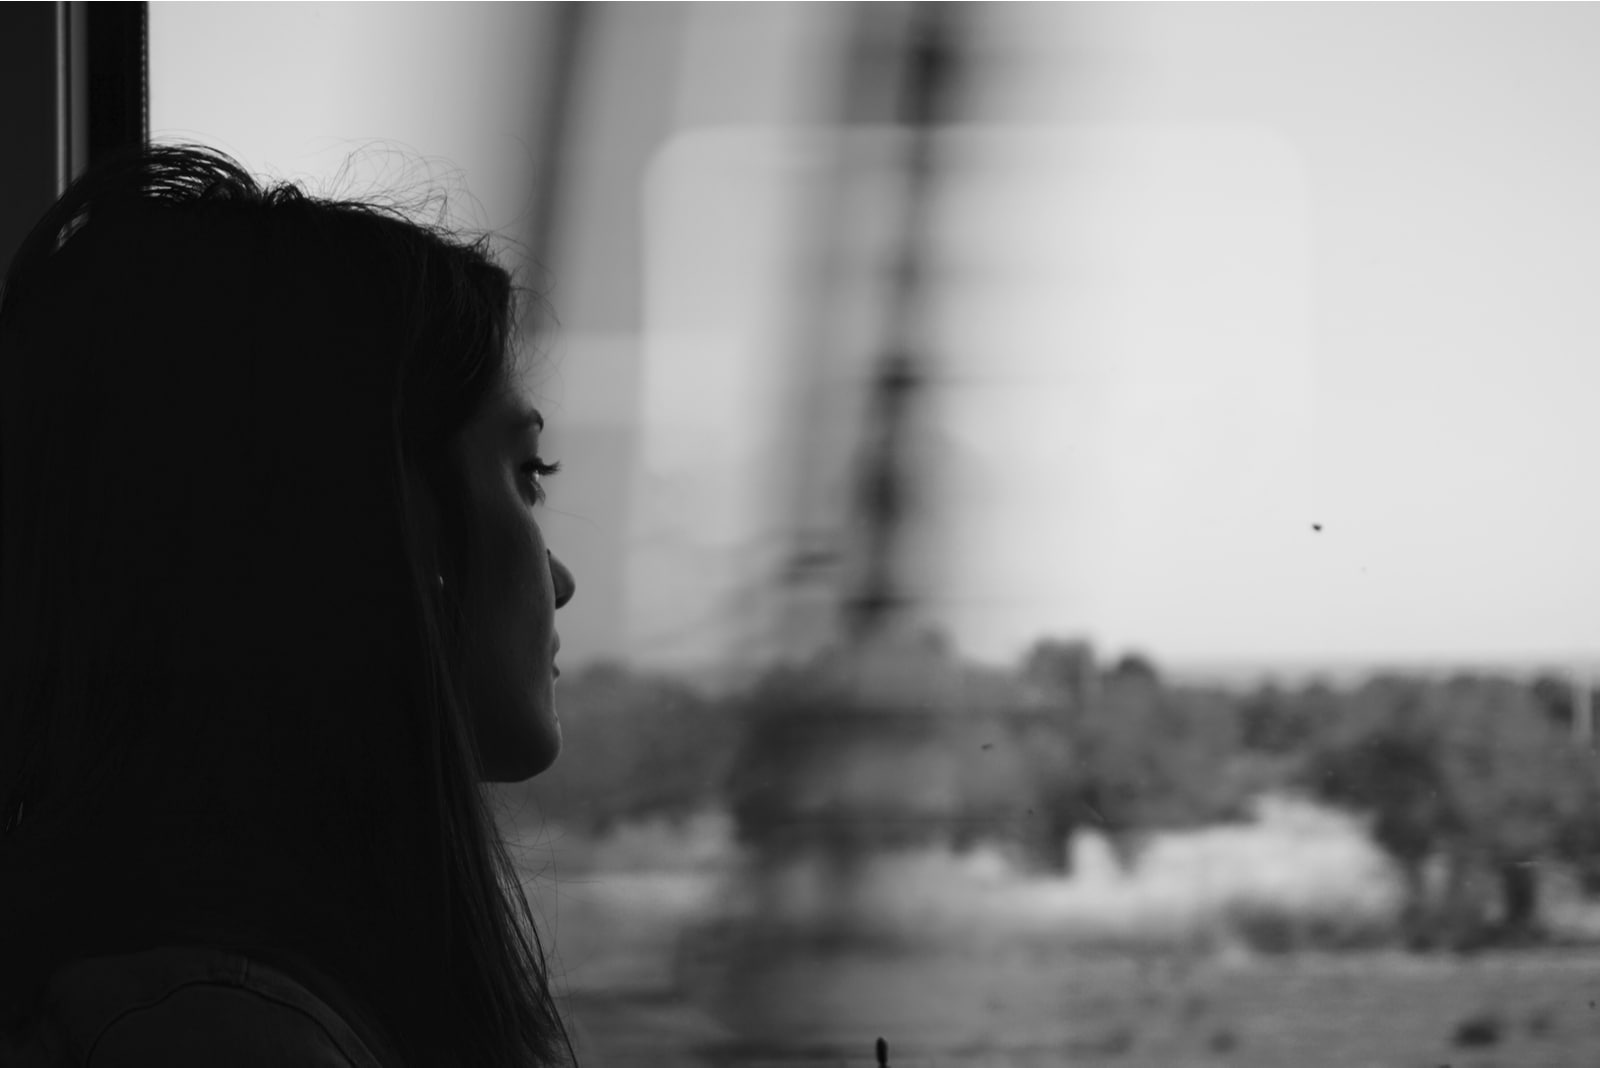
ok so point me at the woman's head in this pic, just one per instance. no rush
(263, 416)
(273, 595)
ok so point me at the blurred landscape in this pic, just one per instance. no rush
(1082, 513)
(1073, 861)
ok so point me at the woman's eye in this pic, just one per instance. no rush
(535, 471)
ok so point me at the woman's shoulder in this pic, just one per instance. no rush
(183, 1006)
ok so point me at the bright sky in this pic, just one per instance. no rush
(1441, 281)
(1216, 273)
(1212, 282)
(296, 90)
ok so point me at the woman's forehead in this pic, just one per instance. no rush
(518, 410)
(507, 417)
(518, 387)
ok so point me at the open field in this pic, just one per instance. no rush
(1363, 1011)
(667, 964)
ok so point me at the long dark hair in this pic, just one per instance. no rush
(230, 711)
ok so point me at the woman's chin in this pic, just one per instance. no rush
(543, 753)
(533, 750)
(551, 747)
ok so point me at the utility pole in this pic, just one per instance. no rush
(885, 486)
(868, 703)
(569, 27)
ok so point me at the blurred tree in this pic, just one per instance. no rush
(1157, 757)
(1472, 771)
(1554, 695)
(922, 749)
(1275, 720)
(1520, 783)
(1276, 727)
(1053, 816)
(774, 747)
(1132, 665)
(1138, 755)
(1065, 668)
(1382, 756)
(1065, 678)
(1578, 840)
(635, 744)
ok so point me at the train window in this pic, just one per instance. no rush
(1080, 510)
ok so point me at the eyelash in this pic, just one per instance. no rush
(537, 469)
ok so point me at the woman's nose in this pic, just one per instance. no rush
(565, 585)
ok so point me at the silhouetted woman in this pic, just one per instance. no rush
(274, 606)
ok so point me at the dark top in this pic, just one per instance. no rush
(194, 1007)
